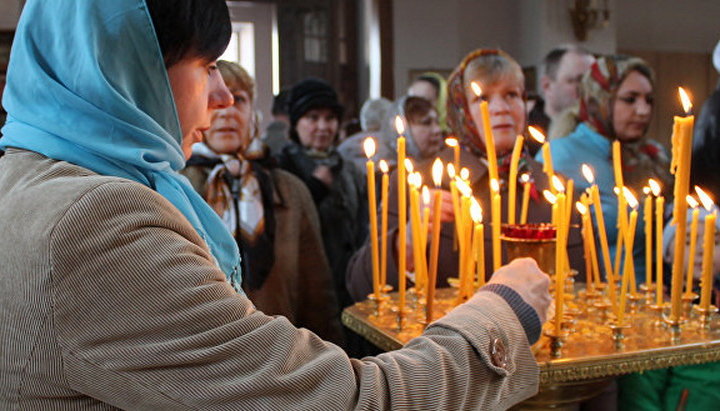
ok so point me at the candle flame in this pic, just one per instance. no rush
(383, 166)
(537, 134)
(557, 183)
(630, 198)
(685, 99)
(588, 173)
(582, 209)
(409, 166)
(418, 178)
(437, 172)
(399, 125)
(525, 177)
(451, 171)
(550, 197)
(654, 186)
(426, 195)
(413, 180)
(616, 190)
(494, 185)
(369, 146)
(692, 202)
(647, 190)
(463, 188)
(451, 142)
(476, 88)
(464, 173)
(704, 198)
(475, 211)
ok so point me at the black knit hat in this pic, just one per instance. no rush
(308, 94)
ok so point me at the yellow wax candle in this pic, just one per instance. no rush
(682, 148)
(647, 219)
(548, 168)
(512, 179)
(659, 226)
(617, 163)
(425, 193)
(478, 242)
(559, 284)
(602, 233)
(437, 171)
(570, 193)
(402, 214)
(693, 243)
(584, 231)
(593, 249)
(525, 178)
(629, 242)
(469, 255)
(455, 144)
(372, 214)
(455, 200)
(495, 214)
(465, 250)
(622, 230)
(706, 284)
(487, 132)
(415, 228)
(382, 164)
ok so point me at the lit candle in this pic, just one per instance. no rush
(437, 171)
(647, 219)
(402, 214)
(546, 154)
(512, 179)
(585, 200)
(680, 166)
(372, 213)
(629, 242)
(465, 249)
(693, 243)
(382, 164)
(622, 228)
(525, 178)
(559, 285)
(414, 182)
(602, 233)
(706, 283)
(659, 226)
(495, 214)
(478, 241)
(561, 221)
(425, 194)
(617, 163)
(453, 142)
(487, 131)
(455, 201)
(582, 209)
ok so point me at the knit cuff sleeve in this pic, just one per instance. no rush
(525, 313)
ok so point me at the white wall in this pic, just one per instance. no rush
(668, 25)
(9, 13)
(436, 34)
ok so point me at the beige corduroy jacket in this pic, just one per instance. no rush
(109, 299)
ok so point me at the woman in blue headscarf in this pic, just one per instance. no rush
(113, 272)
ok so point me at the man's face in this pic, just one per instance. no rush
(562, 91)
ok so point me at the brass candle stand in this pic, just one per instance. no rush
(591, 348)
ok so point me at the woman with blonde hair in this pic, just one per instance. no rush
(269, 212)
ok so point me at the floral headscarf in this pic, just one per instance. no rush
(458, 112)
(643, 158)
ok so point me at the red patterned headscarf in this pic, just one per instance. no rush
(458, 113)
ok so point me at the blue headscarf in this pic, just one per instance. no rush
(87, 84)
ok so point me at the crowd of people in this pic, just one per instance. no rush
(160, 237)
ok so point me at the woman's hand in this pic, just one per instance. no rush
(324, 174)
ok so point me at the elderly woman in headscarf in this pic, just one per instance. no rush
(502, 83)
(269, 212)
(337, 187)
(616, 104)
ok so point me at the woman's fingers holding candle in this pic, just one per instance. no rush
(525, 277)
